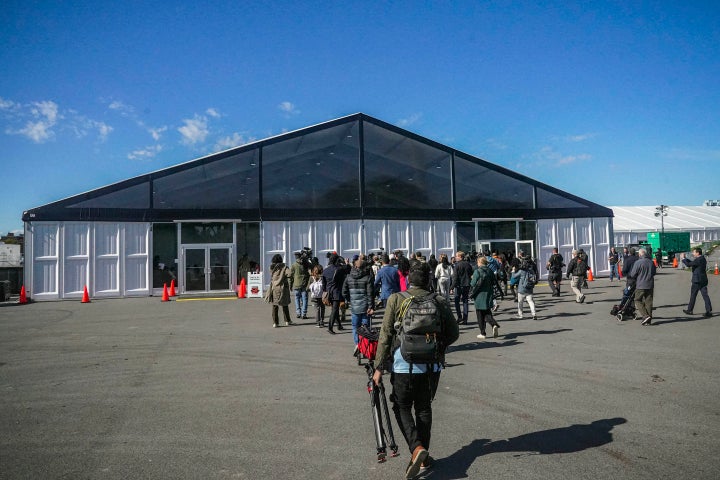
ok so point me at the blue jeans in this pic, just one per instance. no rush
(357, 320)
(614, 272)
(301, 300)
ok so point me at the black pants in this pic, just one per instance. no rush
(414, 390)
(335, 315)
(462, 294)
(483, 318)
(275, 313)
(694, 289)
(554, 279)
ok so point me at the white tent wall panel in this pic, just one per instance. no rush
(375, 235)
(137, 267)
(44, 280)
(398, 237)
(600, 240)
(76, 258)
(421, 236)
(350, 238)
(547, 240)
(273, 239)
(106, 260)
(444, 238)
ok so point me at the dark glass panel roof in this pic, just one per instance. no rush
(227, 183)
(134, 196)
(316, 170)
(481, 187)
(547, 199)
(403, 172)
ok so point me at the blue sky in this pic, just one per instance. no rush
(617, 102)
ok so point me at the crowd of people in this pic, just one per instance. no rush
(366, 284)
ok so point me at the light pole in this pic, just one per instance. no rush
(662, 212)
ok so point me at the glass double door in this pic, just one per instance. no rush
(207, 268)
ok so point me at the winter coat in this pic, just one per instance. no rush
(280, 284)
(334, 279)
(643, 271)
(300, 276)
(522, 286)
(388, 279)
(486, 278)
(699, 270)
(358, 290)
(462, 273)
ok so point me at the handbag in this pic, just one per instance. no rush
(326, 298)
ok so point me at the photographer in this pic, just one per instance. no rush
(300, 272)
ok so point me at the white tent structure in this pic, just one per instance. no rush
(632, 224)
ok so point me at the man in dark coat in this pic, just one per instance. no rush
(699, 281)
(358, 292)
(334, 275)
(462, 273)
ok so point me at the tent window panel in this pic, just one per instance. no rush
(477, 186)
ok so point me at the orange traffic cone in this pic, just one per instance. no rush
(717, 272)
(242, 289)
(655, 262)
(23, 296)
(86, 297)
(165, 297)
(172, 288)
(590, 275)
(675, 262)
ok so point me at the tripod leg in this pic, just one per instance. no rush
(377, 423)
(388, 424)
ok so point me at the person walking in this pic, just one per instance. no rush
(643, 271)
(317, 287)
(462, 273)
(413, 385)
(526, 280)
(387, 279)
(334, 275)
(443, 275)
(699, 281)
(576, 271)
(482, 288)
(279, 291)
(555, 265)
(613, 259)
(358, 293)
(300, 280)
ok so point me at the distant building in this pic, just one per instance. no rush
(10, 256)
(632, 224)
(351, 185)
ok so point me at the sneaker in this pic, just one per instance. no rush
(707, 314)
(356, 351)
(647, 321)
(687, 312)
(418, 457)
(481, 337)
(275, 325)
(519, 317)
(297, 315)
(534, 317)
(428, 463)
(495, 330)
(288, 323)
(305, 317)
(582, 298)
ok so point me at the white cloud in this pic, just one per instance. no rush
(234, 140)
(195, 130)
(213, 112)
(38, 131)
(288, 108)
(6, 104)
(579, 138)
(156, 132)
(122, 108)
(406, 122)
(547, 156)
(145, 153)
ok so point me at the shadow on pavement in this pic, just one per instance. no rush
(573, 438)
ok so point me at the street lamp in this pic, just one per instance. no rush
(662, 212)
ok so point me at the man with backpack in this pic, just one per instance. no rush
(577, 270)
(555, 265)
(417, 328)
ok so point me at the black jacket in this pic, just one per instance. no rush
(462, 273)
(699, 270)
(358, 290)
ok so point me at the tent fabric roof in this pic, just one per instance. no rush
(643, 219)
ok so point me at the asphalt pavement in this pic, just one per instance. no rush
(206, 389)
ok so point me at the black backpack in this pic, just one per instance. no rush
(419, 329)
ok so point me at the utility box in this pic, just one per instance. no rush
(669, 242)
